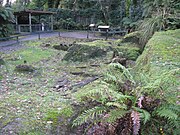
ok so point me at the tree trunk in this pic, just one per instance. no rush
(57, 3)
(123, 8)
(50, 3)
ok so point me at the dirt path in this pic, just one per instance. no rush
(76, 34)
(13, 45)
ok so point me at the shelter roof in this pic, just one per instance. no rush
(34, 12)
(103, 27)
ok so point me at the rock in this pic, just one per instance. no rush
(2, 62)
(47, 45)
(83, 83)
(62, 46)
(62, 83)
(120, 60)
(130, 63)
(77, 73)
(100, 50)
(24, 68)
(80, 52)
(13, 127)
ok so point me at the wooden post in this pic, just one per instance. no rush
(39, 36)
(52, 22)
(19, 28)
(30, 27)
(88, 33)
(106, 34)
(17, 39)
(40, 23)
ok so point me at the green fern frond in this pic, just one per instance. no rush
(90, 114)
(145, 115)
(167, 113)
(115, 114)
(102, 92)
(125, 72)
(116, 104)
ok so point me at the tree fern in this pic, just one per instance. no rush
(169, 112)
(115, 114)
(136, 122)
(145, 115)
(92, 114)
(124, 72)
(116, 104)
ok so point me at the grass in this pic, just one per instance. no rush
(31, 97)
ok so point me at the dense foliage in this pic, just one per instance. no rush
(120, 105)
(149, 15)
(6, 17)
(143, 100)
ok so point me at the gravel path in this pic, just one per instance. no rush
(13, 45)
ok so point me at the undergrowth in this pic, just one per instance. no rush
(124, 104)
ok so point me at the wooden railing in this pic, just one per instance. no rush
(34, 28)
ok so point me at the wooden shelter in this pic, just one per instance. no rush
(29, 27)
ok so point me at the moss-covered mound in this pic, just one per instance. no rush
(62, 46)
(100, 49)
(24, 68)
(132, 38)
(81, 52)
(161, 52)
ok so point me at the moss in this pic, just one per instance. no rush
(131, 37)
(98, 43)
(81, 52)
(130, 53)
(162, 50)
(24, 68)
(99, 49)
(56, 115)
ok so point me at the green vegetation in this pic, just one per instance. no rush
(86, 87)
(143, 99)
(161, 52)
(102, 50)
(6, 17)
(30, 99)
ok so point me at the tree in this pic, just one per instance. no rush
(6, 17)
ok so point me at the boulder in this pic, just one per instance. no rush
(81, 52)
(101, 50)
(24, 68)
(62, 46)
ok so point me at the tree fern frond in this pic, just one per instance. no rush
(167, 113)
(89, 114)
(145, 115)
(115, 114)
(116, 104)
(124, 71)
